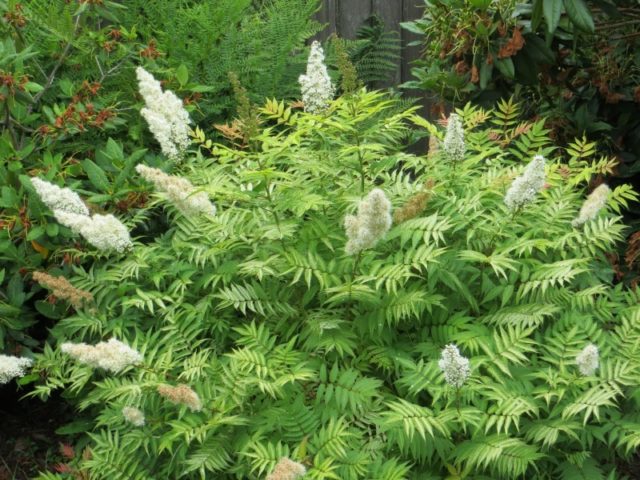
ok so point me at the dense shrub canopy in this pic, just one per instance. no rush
(263, 338)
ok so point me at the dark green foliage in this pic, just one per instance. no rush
(376, 54)
(575, 62)
(263, 44)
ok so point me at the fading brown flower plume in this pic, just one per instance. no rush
(415, 205)
(61, 288)
(181, 395)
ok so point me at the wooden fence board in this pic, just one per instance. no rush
(327, 15)
(351, 15)
(344, 17)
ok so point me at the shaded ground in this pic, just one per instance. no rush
(28, 442)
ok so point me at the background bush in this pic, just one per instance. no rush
(573, 62)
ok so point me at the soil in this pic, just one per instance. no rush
(28, 442)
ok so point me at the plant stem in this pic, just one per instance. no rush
(354, 271)
(9, 125)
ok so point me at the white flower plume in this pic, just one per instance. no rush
(317, 89)
(112, 355)
(454, 366)
(12, 367)
(179, 191)
(454, 146)
(57, 198)
(105, 232)
(164, 112)
(134, 416)
(524, 189)
(592, 205)
(287, 469)
(370, 224)
(588, 360)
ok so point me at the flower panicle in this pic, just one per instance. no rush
(454, 146)
(13, 367)
(317, 89)
(454, 366)
(415, 205)
(57, 198)
(134, 416)
(181, 395)
(588, 360)
(179, 191)
(165, 114)
(370, 224)
(105, 232)
(112, 355)
(526, 187)
(287, 469)
(592, 205)
(63, 289)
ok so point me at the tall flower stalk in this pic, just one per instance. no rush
(370, 224)
(526, 187)
(165, 114)
(592, 205)
(454, 146)
(317, 89)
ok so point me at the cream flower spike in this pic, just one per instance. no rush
(57, 198)
(592, 205)
(179, 191)
(370, 224)
(526, 187)
(165, 114)
(112, 355)
(316, 86)
(454, 366)
(453, 146)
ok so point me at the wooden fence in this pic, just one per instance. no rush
(344, 17)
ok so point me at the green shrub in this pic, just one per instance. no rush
(70, 114)
(61, 98)
(262, 338)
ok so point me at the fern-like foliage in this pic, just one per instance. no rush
(299, 350)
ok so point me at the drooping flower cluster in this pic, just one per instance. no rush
(454, 147)
(588, 360)
(370, 224)
(112, 355)
(592, 205)
(181, 395)
(317, 89)
(134, 416)
(524, 189)
(105, 232)
(56, 198)
(164, 112)
(179, 191)
(454, 366)
(61, 288)
(12, 367)
(287, 469)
